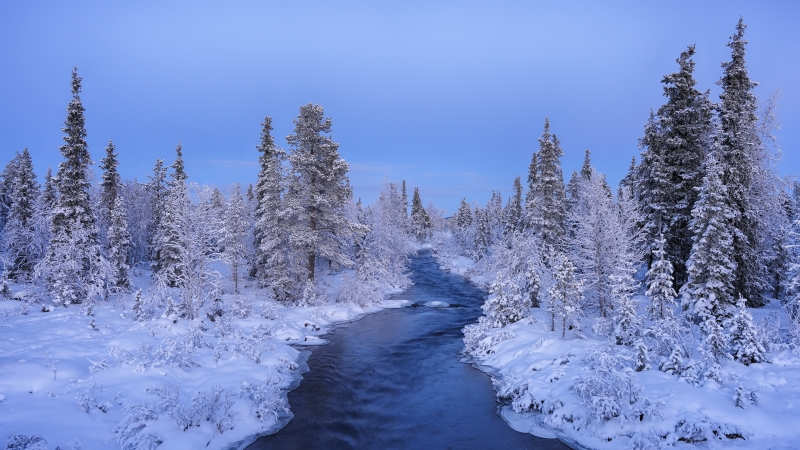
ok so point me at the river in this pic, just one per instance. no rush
(394, 379)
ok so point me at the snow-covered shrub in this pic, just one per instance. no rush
(89, 398)
(23, 442)
(254, 345)
(241, 306)
(214, 406)
(480, 338)
(266, 397)
(611, 390)
(745, 396)
(169, 403)
(5, 290)
(178, 352)
(269, 312)
(132, 430)
(699, 429)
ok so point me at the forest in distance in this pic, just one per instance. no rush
(661, 312)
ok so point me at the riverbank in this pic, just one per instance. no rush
(107, 380)
(542, 377)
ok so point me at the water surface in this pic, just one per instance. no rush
(394, 380)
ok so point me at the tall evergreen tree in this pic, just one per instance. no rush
(514, 212)
(269, 265)
(480, 245)
(110, 185)
(157, 189)
(420, 220)
(119, 245)
(74, 266)
(712, 265)
(549, 212)
(171, 236)
(738, 140)
(19, 231)
(530, 196)
(318, 192)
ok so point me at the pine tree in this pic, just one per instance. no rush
(514, 213)
(659, 283)
(530, 196)
(318, 192)
(480, 246)
(738, 141)
(463, 224)
(549, 211)
(19, 231)
(654, 182)
(110, 186)
(234, 235)
(686, 124)
(420, 220)
(711, 266)
(45, 204)
(171, 236)
(157, 189)
(586, 169)
(74, 266)
(119, 245)
(270, 229)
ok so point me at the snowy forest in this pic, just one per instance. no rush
(664, 311)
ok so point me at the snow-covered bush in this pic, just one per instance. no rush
(132, 430)
(744, 342)
(24, 442)
(267, 398)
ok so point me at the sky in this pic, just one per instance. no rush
(449, 96)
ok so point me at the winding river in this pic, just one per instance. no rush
(393, 379)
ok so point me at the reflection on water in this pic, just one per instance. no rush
(394, 380)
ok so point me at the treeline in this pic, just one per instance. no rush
(703, 219)
(76, 243)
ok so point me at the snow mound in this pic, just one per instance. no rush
(437, 304)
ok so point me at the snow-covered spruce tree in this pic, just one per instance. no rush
(738, 141)
(549, 214)
(659, 283)
(744, 344)
(19, 233)
(157, 189)
(480, 245)
(420, 221)
(653, 182)
(171, 240)
(110, 186)
(463, 227)
(235, 235)
(496, 217)
(565, 297)
(269, 264)
(119, 245)
(6, 178)
(514, 220)
(685, 126)
(530, 196)
(628, 326)
(74, 267)
(711, 265)
(318, 193)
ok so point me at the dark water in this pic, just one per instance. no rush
(394, 380)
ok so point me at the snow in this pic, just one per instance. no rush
(437, 304)
(55, 366)
(535, 372)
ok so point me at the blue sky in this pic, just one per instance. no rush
(450, 96)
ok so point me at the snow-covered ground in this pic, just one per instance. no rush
(108, 381)
(539, 375)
